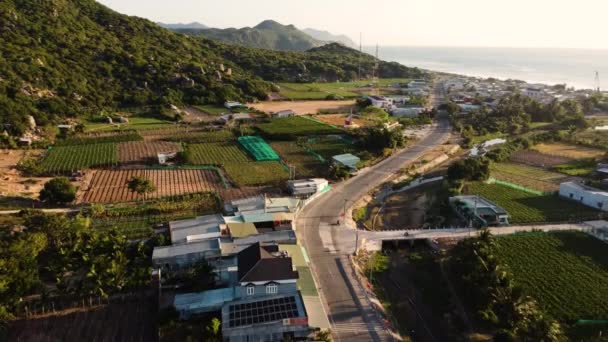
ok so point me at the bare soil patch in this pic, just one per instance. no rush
(305, 107)
(144, 151)
(340, 119)
(535, 158)
(568, 151)
(12, 183)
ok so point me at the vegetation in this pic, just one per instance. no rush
(64, 159)
(495, 297)
(58, 191)
(380, 138)
(256, 173)
(534, 178)
(470, 169)
(82, 140)
(581, 167)
(524, 207)
(573, 293)
(141, 185)
(203, 137)
(131, 62)
(294, 154)
(214, 153)
(266, 35)
(289, 128)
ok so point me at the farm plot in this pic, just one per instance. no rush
(306, 164)
(524, 207)
(296, 126)
(140, 151)
(568, 151)
(566, 272)
(128, 321)
(64, 159)
(340, 119)
(535, 158)
(328, 147)
(256, 173)
(215, 153)
(168, 132)
(100, 139)
(305, 107)
(203, 137)
(528, 176)
(111, 185)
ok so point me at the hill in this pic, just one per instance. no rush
(71, 58)
(268, 34)
(325, 36)
(193, 25)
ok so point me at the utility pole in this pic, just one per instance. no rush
(360, 54)
(597, 81)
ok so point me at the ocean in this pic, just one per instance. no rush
(575, 67)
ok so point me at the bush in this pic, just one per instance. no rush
(471, 169)
(58, 190)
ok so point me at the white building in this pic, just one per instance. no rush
(283, 114)
(586, 195)
(410, 112)
(307, 186)
(380, 101)
(533, 92)
(417, 84)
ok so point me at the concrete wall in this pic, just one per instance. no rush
(593, 199)
(260, 290)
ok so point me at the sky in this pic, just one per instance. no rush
(501, 23)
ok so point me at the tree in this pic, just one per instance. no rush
(59, 191)
(374, 113)
(338, 172)
(471, 169)
(213, 330)
(141, 185)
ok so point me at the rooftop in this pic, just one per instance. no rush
(205, 301)
(254, 312)
(347, 159)
(240, 230)
(258, 263)
(212, 245)
(480, 204)
(203, 226)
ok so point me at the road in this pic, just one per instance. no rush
(349, 311)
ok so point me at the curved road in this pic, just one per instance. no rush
(349, 310)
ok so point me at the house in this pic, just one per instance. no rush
(262, 304)
(417, 84)
(468, 108)
(348, 160)
(233, 105)
(307, 187)
(379, 101)
(175, 257)
(602, 169)
(283, 114)
(64, 128)
(533, 92)
(199, 228)
(479, 211)
(586, 195)
(24, 141)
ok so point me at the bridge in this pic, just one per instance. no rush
(372, 240)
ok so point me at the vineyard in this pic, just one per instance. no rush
(106, 186)
(528, 176)
(140, 151)
(214, 154)
(203, 137)
(256, 173)
(306, 164)
(64, 159)
(535, 158)
(524, 207)
(296, 126)
(128, 321)
(88, 140)
(566, 272)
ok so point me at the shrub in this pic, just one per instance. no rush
(58, 190)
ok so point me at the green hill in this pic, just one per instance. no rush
(267, 35)
(72, 58)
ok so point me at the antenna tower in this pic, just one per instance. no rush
(376, 71)
(597, 81)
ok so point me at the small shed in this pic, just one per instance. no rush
(283, 114)
(347, 159)
(165, 157)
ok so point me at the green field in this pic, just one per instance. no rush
(135, 123)
(329, 147)
(203, 137)
(306, 164)
(256, 173)
(319, 91)
(296, 126)
(531, 177)
(524, 207)
(64, 159)
(214, 153)
(566, 272)
(482, 138)
(211, 109)
(580, 167)
(85, 140)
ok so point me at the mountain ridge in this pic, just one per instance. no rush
(327, 36)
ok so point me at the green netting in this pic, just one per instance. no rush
(258, 148)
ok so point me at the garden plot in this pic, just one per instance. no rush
(145, 152)
(528, 176)
(568, 151)
(215, 153)
(535, 158)
(64, 159)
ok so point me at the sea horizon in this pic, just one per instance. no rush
(575, 67)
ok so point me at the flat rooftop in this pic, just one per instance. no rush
(202, 225)
(480, 204)
(212, 245)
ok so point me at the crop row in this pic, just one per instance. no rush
(256, 173)
(214, 153)
(296, 126)
(63, 159)
(115, 138)
(566, 272)
(202, 137)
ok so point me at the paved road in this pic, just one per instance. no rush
(349, 310)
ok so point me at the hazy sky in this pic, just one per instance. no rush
(514, 23)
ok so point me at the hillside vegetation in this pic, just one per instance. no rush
(267, 35)
(68, 58)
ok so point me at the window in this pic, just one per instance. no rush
(250, 290)
(272, 289)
